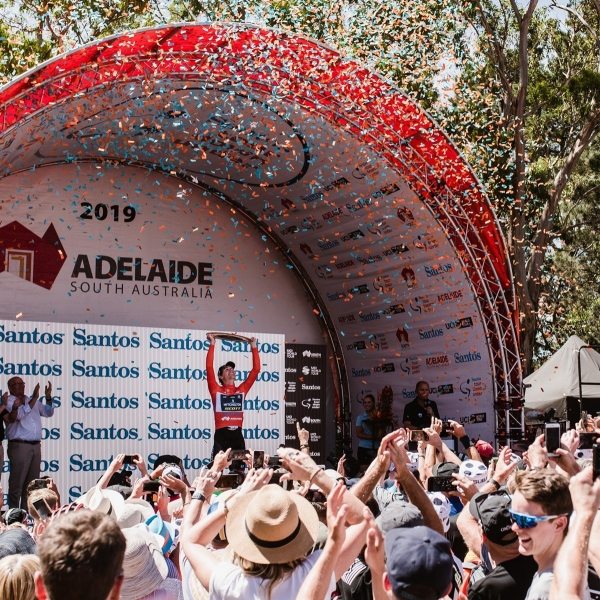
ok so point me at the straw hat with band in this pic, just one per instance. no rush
(272, 526)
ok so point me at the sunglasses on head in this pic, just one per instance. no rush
(530, 521)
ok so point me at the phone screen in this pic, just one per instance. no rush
(237, 455)
(587, 440)
(151, 486)
(418, 435)
(552, 437)
(258, 460)
(440, 484)
(42, 508)
(596, 461)
(228, 480)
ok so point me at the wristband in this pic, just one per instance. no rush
(302, 446)
(315, 474)
(494, 483)
(465, 440)
(199, 496)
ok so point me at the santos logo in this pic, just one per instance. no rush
(81, 369)
(156, 340)
(32, 368)
(465, 358)
(80, 432)
(433, 270)
(113, 340)
(30, 337)
(156, 401)
(156, 432)
(157, 371)
(263, 347)
(30, 257)
(80, 400)
(427, 334)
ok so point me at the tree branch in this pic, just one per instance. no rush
(587, 133)
(578, 16)
(498, 53)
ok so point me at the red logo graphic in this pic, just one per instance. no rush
(33, 258)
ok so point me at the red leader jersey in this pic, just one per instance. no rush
(228, 401)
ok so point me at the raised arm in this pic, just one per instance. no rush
(570, 566)
(195, 537)
(211, 378)
(316, 585)
(47, 410)
(416, 494)
(249, 382)
(302, 467)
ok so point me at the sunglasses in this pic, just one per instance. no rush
(530, 521)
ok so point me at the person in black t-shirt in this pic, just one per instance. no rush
(513, 572)
(418, 413)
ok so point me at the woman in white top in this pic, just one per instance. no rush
(271, 532)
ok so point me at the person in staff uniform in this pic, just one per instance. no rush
(228, 399)
(24, 433)
(418, 413)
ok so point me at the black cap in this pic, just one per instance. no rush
(445, 469)
(491, 510)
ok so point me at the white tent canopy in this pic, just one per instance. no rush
(558, 377)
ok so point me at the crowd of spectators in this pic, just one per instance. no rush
(415, 525)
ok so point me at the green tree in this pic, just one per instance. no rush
(531, 136)
(516, 85)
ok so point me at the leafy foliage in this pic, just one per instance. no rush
(518, 90)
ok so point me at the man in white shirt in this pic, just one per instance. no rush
(540, 509)
(24, 433)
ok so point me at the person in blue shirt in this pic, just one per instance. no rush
(24, 433)
(365, 432)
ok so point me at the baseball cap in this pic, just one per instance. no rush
(399, 514)
(485, 449)
(491, 510)
(445, 469)
(223, 367)
(419, 563)
(15, 515)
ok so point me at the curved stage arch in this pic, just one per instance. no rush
(374, 208)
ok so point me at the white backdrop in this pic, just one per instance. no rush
(136, 390)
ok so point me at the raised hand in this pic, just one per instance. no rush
(255, 480)
(301, 466)
(303, 434)
(569, 440)
(537, 455)
(222, 460)
(336, 514)
(505, 465)
(206, 481)
(340, 465)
